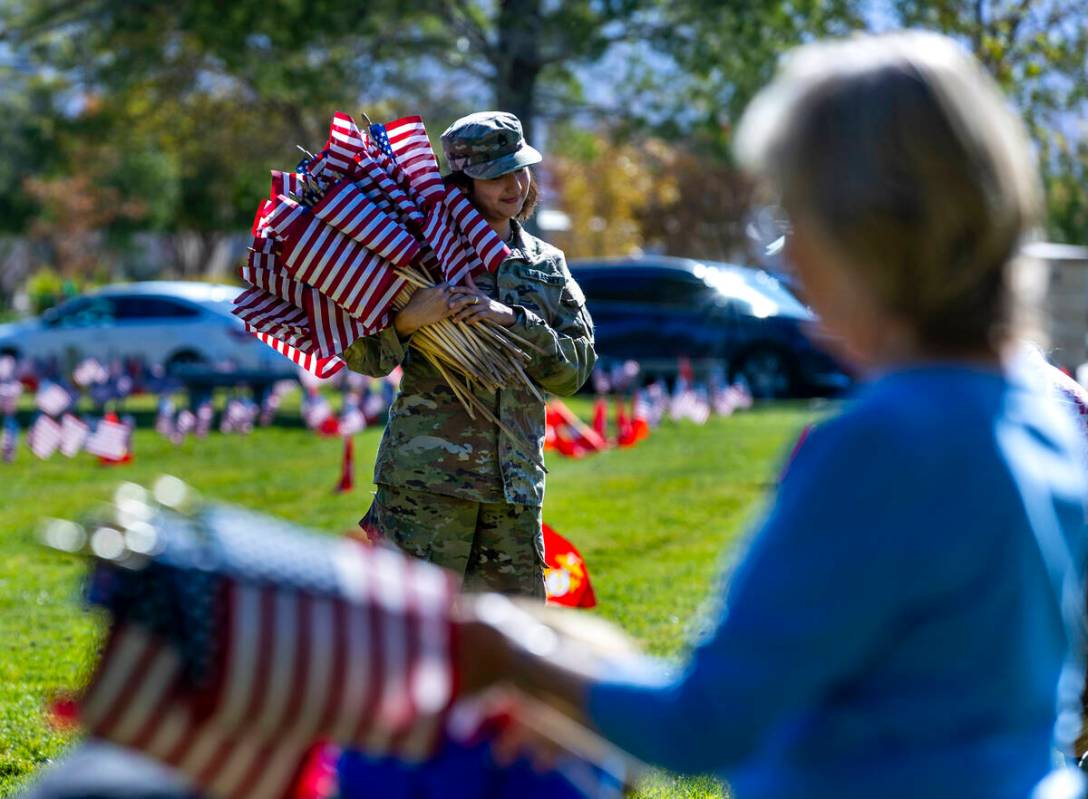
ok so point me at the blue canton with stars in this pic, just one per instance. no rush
(381, 138)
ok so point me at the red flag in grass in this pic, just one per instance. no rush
(624, 434)
(640, 421)
(600, 417)
(566, 576)
(568, 434)
(347, 469)
(110, 441)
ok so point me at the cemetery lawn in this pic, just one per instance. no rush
(653, 523)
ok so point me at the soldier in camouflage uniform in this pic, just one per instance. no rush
(454, 490)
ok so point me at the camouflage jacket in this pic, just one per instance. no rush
(431, 444)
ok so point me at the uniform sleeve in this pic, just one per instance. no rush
(376, 355)
(568, 353)
(807, 606)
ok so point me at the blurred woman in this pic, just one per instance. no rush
(896, 626)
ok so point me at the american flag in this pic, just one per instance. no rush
(205, 413)
(315, 410)
(10, 391)
(183, 426)
(412, 150)
(44, 436)
(332, 329)
(108, 440)
(352, 420)
(345, 139)
(483, 238)
(237, 417)
(52, 398)
(246, 641)
(270, 314)
(382, 152)
(89, 372)
(269, 408)
(286, 183)
(347, 209)
(73, 435)
(374, 176)
(454, 257)
(9, 439)
(319, 367)
(380, 137)
(344, 245)
(263, 254)
(164, 418)
(356, 279)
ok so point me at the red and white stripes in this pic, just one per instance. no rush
(318, 367)
(370, 668)
(483, 238)
(446, 243)
(376, 213)
(347, 209)
(408, 139)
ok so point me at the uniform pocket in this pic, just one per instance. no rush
(526, 272)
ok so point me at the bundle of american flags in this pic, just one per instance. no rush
(341, 242)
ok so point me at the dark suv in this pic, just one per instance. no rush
(656, 310)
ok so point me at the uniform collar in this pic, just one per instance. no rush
(518, 244)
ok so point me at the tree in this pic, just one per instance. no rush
(1037, 50)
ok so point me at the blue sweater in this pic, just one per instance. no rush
(895, 628)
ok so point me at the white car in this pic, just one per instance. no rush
(162, 322)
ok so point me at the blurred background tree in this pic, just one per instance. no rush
(1037, 50)
(128, 118)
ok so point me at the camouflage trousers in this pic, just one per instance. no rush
(492, 546)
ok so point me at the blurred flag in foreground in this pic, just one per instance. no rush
(238, 642)
(240, 646)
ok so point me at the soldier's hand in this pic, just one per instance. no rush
(426, 306)
(472, 305)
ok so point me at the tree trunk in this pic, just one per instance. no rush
(517, 60)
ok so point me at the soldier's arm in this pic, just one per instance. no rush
(376, 355)
(568, 354)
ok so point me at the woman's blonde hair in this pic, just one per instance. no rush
(902, 152)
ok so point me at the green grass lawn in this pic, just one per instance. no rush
(653, 523)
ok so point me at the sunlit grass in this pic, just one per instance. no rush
(653, 523)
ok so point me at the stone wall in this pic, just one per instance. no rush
(1060, 276)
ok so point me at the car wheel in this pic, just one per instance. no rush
(183, 359)
(768, 372)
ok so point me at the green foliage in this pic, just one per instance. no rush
(710, 57)
(45, 288)
(652, 522)
(1037, 50)
(168, 115)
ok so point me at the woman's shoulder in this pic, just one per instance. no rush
(538, 251)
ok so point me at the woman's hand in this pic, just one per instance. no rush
(475, 306)
(425, 307)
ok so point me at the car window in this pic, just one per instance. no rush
(148, 308)
(753, 291)
(665, 287)
(83, 312)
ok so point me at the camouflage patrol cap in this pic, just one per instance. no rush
(486, 145)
